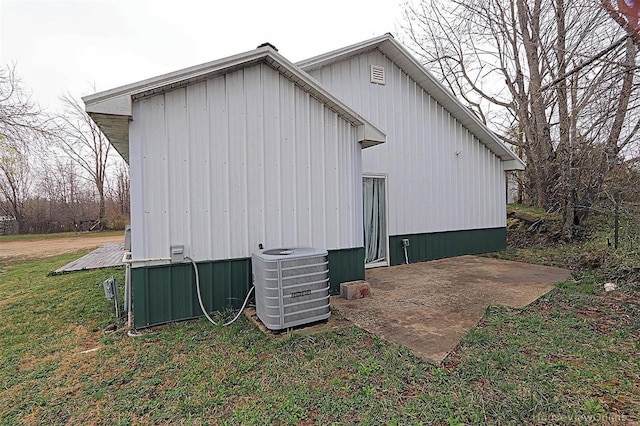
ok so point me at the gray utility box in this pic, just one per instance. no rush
(291, 286)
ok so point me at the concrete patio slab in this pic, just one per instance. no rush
(429, 306)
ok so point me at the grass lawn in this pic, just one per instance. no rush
(573, 357)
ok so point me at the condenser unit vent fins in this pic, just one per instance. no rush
(377, 74)
(292, 286)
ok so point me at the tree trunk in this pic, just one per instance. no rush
(102, 211)
(564, 125)
(569, 91)
(538, 124)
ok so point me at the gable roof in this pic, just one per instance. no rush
(112, 109)
(402, 58)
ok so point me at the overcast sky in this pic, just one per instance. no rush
(72, 46)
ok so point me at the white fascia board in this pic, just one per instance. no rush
(368, 134)
(118, 105)
(388, 45)
(337, 55)
(176, 78)
(510, 165)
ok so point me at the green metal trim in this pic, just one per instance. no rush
(345, 265)
(438, 245)
(167, 293)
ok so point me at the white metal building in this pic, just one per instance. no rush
(227, 156)
(442, 170)
(253, 150)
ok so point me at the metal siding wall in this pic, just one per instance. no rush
(167, 293)
(303, 159)
(439, 245)
(332, 215)
(317, 191)
(177, 129)
(136, 177)
(238, 168)
(272, 187)
(431, 189)
(149, 171)
(246, 158)
(216, 94)
(255, 155)
(200, 170)
(288, 145)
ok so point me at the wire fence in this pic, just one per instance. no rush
(628, 225)
(622, 219)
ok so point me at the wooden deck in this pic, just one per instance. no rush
(106, 256)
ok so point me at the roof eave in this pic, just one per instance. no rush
(513, 165)
(369, 136)
(337, 55)
(111, 109)
(180, 77)
(391, 48)
(116, 128)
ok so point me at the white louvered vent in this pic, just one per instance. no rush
(377, 74)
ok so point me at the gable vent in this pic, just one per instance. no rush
(377, 74)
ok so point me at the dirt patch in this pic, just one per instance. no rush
(30, 249)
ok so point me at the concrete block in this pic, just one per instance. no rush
(355, 290)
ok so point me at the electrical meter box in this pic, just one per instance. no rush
(110, 288)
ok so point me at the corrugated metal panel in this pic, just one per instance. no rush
(404, 59)
(241, 159)
(167, 293)
(439, 245)
(344, 266)
(440, 176)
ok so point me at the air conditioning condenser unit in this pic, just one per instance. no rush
(291, 286)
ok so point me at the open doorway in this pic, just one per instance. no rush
(374, 192)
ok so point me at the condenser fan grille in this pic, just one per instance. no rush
(291, 289)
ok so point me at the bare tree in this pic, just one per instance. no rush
(21, 120)
(122, 188)
(14, 182)
(22, 123)
(61, 185)
(83, 142)
(554, 78)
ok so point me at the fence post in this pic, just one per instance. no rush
(616, 197)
